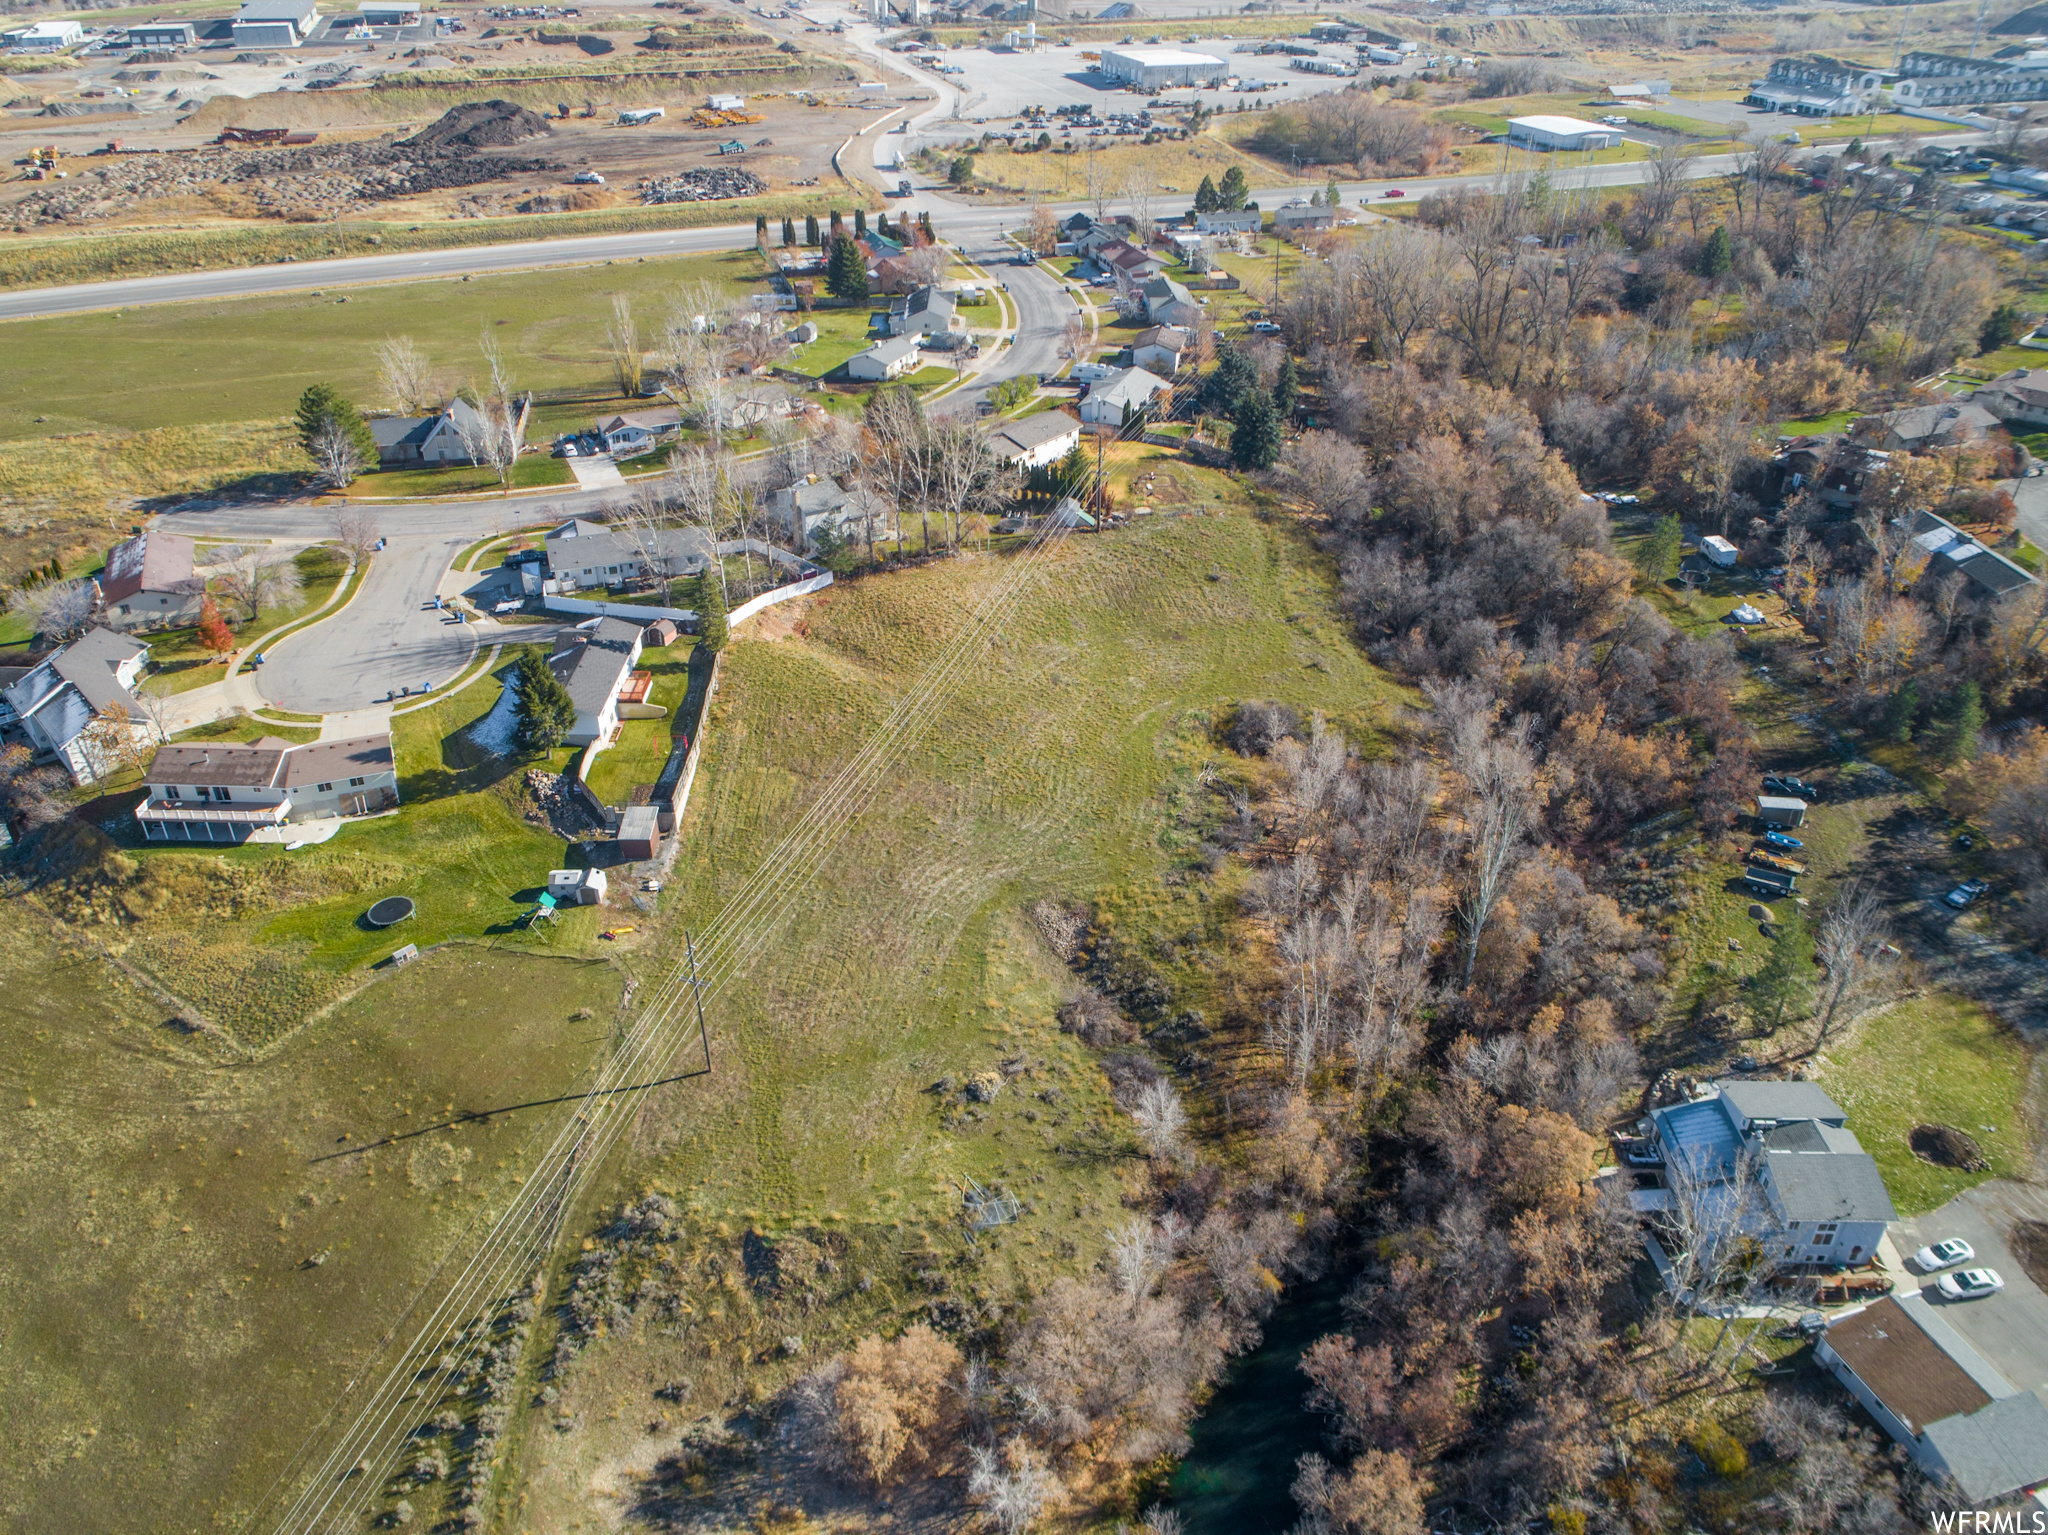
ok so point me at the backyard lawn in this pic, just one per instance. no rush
(1938, 1059)
(643, 745)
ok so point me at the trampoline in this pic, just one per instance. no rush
(391, 909)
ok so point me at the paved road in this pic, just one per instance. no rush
(959, 222)
(1043, 305)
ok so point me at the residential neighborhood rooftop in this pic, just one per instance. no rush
(1910, 1373)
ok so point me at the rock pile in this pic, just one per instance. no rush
(705, 184)
(560, 808)
(315, 182)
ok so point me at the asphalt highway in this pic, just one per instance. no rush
(957, 221)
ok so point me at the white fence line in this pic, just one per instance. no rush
(614, 609)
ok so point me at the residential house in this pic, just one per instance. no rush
(54, 703)
(225, 791)
(2018, 398)
(1160, 349)
(638, 431)
(1168, 303)
(884, 360)
(1091, 240)
(597, 663)
(1818, 87)
(898, 274)
(1923, 428)
(436, 439)
(925, 312)
(1123, 396)
(1945, 1404)
(588, 554)
(1300, 214)
(1949, 82)
(149, 584)
(819, 505)
(1120, 256)
(1991, 575)
(1824, 1203)
(1031, 442)
(1229, 221)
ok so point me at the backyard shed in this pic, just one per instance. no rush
(577, 887)
(1776, 810)
(640, 832)
(661, 632)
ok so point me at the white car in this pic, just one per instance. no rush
(1969, 1284)
(1943, 1255)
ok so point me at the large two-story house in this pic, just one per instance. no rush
(53, 705)
(226, 791)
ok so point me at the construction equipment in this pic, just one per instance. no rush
(710, 117)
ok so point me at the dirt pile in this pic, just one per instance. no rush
(705, 184)
(481, 125)
(1946, 1146)
(310, 183)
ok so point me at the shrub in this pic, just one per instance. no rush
(1721, 1450)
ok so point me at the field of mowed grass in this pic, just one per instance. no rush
(1937, 1059)
(1072, 763)
(197, 1258)
(249, 359)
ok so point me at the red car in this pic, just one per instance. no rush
(1395, 192)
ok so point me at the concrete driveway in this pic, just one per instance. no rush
(2009, 1329)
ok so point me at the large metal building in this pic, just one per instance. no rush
(1154, 69)
(1559, 133)
(275, 23)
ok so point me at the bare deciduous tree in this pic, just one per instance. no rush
(59, 611)
(1042, 231)
(1853, 948)
(1012, 1486)
(622, 336)
(1162, 1122)
(109, 742)
(355, 529)
(491, 428)
(338, 455)
(405, 376)
(262, 578)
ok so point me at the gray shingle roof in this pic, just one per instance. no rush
(1782, 1100)
(1829, 1186)
(88, 664)
(1997, 1449)
(593, 671)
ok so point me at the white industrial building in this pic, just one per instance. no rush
(1559, 133)
(44, 37)
(275, 23)
(1155, 69)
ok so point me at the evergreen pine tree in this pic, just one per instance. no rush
(1233, 189)
(846, 272)
(860, 222)
(711, 627)
(545, 710)
(760, 229)
(1962, 717)
(1255, 433)
(1783, 981)
(1233, 378)
(1901, 710)
(2001, 328)
(1206, 200)
(1717, 255)
(811, 230)
(788, 230)
(321, 405)
(1657, 555)
(1286, 387)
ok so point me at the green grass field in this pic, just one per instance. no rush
(1937, 1059)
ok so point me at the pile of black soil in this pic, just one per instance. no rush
(2029, 1243)
(481, 125)
(1946, 1146)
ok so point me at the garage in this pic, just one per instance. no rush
(1158, 69)
(1559, 133)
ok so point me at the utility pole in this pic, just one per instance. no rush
(1977, 36)
(697, 992)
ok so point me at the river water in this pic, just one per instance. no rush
(1235, 1477)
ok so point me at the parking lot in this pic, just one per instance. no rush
(2009, 1329)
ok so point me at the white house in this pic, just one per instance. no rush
(1160, 349)
(149, 583)
(1228, 221)
(884, 360)
(1825, 1203)
(581, 554)
(925, 312)
(818, 505)
(222, 791)
(596, 665)
(1034, 441)
(54, 704)
(1551, 132)
(435, 439)
(1944, 1403)
(638, 431)
(1129, 392)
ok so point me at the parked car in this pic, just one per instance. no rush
(1943, 1255)
(1796, 788)
(1265, 327)
(1970, 1284)
(1779, 839)
(1965, 893)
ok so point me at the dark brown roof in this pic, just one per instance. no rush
(150, 562)
(1906, 1369)
(325, 761)
(217, 762)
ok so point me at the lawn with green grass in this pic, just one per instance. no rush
(1834, 422)
(643, 745)
(178, 662)
(1938, 1059)
(247, 359)
(532, 470)
(841, 333)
